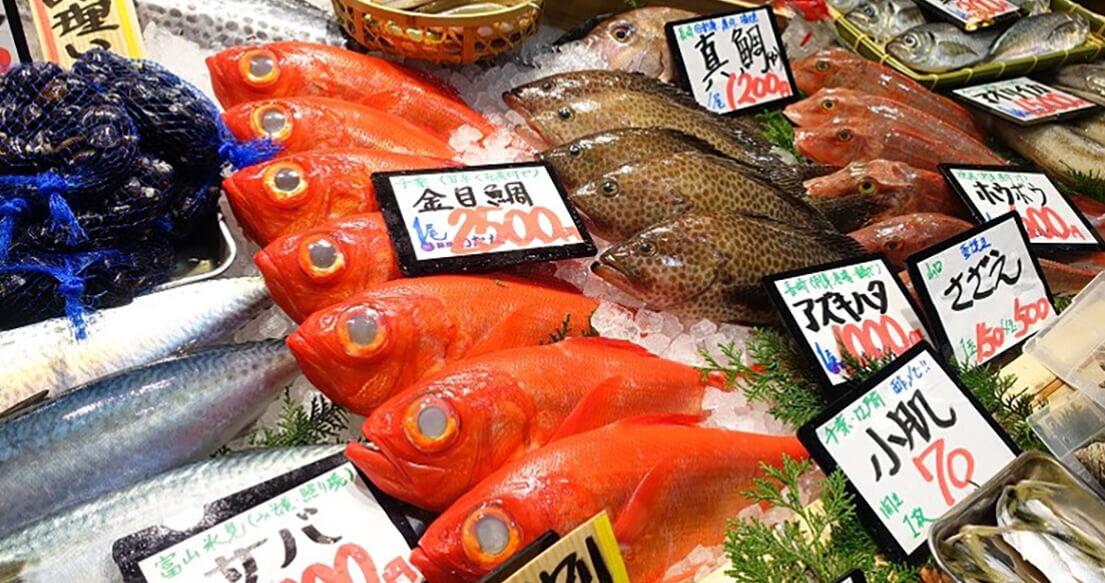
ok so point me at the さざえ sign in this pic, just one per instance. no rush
(1052, 221)
(912, 442)
(479, 218)
(984, 289)
(732, 62)
(855, 305)
(1024, 101)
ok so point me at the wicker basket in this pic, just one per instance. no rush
(1089, 51)
(439, 38)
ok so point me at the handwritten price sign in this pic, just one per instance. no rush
(1052, 222)
(856, 306)
(984, 289)
(974, 14)
(732, 62)
(479, 218)
(913, 442)
(1024, 101)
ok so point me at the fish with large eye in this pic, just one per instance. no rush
(362, 331)
(490, 534)
(259, 67)
(285, 183)
(431, 424)
(272, 121)
(321, 258)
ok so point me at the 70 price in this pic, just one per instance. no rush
(944, 468)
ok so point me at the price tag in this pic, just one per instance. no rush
(857, 305)
(983, 290)
(13, 45)
(1052, 221)
(912, 442)
(588, 553)
(856, 576)
(1024, 101)
(972, 15)
(732, 62)
(297, 528)
(67, 28)
(479, 218)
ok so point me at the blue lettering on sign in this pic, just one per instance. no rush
(750, 17)
(827, 358)
(427, 235)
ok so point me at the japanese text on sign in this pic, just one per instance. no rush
(971, 14)
(587, 554)
(9, 48)
(1048, 217)
(329, 524)
(733, 61)
(913, 445)
(1024, 100)
(67, 28)
(985, 291)
(858, 308)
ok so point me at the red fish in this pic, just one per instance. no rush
(299, 191)
(1092, 209)
(327, 264)
(900, 237)
(444, 434)
(898, 187)
(829, 103)
(836, 67)
(300, 124)
(845, 140)
(667, 487)
(299, 69)
(364, 350)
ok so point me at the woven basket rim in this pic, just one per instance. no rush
(419, 19)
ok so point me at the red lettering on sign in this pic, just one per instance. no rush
(754, 89)
(1030, 313)
(982, 8)
(946, 468)
(874, 339)
(340, 572)
(1046, 223)
(518, 226)
(988, 340)
(1049, 103)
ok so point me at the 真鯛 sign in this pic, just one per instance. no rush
(479, 218)
(1024, 101)
(912, 442)
(732, 62)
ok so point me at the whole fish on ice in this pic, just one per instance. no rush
(900, 188)
(940, 46)
(1059, 149)
(839, 102)
(1038, 35)
(846, 140)
(883, 20)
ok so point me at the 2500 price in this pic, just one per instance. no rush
(521, 227)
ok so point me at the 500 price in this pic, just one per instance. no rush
(1048, 103)
(518, 226)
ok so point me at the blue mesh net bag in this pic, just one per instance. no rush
(101, 165)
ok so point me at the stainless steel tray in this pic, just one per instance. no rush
(206, 255)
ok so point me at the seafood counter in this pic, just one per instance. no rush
(632, 349)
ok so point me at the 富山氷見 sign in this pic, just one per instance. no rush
(1024, 101)
(479, 218)
(855, 305)
(983, 290)
(297, 528)
(732, 62)
(1052, 221)
(912, 442)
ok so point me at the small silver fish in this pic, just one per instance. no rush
(75, 545)
(883, 20)
(1033, 36)
(1056, 528)
(940, 46)
(1059, 149)
(1089, 78)
(133, 425)
(979, 554)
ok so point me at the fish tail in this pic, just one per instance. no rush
(849, 213)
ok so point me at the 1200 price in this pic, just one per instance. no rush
(744, 89)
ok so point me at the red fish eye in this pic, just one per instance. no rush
(321, 258)
(822, 65)
(285, 183)
(868, 186)
(431, 424)
(259, 67)
(490, 535)
(272, 121)
(844, 135)
(362, 331)
(828, 104)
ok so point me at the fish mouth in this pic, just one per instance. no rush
(271, 274)
(380, 468)
(431, 570)
(613, 276)
(242, 209)
(217, 86)
(515, 102)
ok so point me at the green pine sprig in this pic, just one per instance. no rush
(322, 423)
(778, 130)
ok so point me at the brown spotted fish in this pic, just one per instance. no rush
(710, 266)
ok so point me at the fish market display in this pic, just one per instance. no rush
(328, 264)
(837, 67)
(1088, 79)
(237, 22)
(843, 141)
(1056, 528)
(440, 437)
(45, 357)
(569, 106)
(1058, 149)
(982, 555)
(904, 189)
(940, 46)
(1041, 34)
(298, 69)
(76, 544)
(364, 350)
(586, 159)
(668, 488)
(299, 124)
(634, 41)
(639, 194)
(834, 103)
(883, 20)
(902, 236)
(710, 266)
(299, 191)
(130, 426)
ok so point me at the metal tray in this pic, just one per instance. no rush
(206, 255)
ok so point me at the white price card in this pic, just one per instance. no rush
(856, 305)
(972, 15)
(479, 218)
(1024, 101)
(732, 62)
(287, 530)
(912, 442)
(984, 290)
(1052, 221)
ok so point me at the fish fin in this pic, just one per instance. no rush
(24, 405)
(645, 501)
(12, 572)
(584, 417)
(612, 343)
(849, 213)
